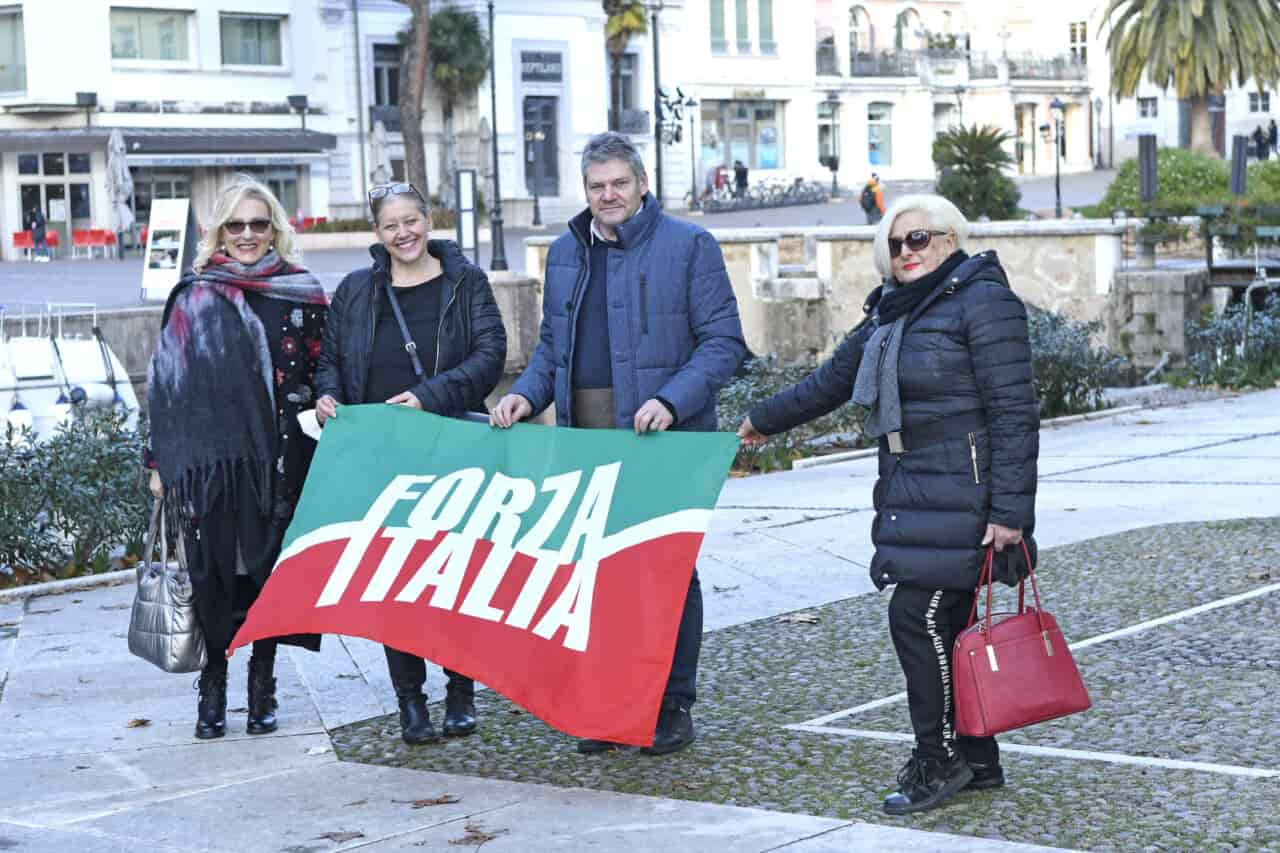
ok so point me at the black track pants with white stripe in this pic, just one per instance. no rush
(924, 624)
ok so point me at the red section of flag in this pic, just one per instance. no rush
(611, 690)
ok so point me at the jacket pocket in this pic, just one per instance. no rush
(644, 305)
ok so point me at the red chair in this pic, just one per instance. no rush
(81, 238)
(146, 229)
(24, 241)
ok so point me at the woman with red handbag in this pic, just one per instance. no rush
(947, 381)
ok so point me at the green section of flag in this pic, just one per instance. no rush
(365, 447)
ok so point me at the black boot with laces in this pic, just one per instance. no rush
(211, 709)
(926, 783)
(262, 696)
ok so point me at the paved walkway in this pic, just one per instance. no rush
(77, 771)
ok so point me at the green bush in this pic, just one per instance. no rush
(1069, 372)
(1185, 179)
(971, 161)
(762, 377)
(1215, 348)
(71, 499)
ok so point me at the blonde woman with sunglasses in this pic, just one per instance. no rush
(234, 365)
(942, 363)
(426, 292)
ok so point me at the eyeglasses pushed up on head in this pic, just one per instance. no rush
(395, 188)
(916, 241)
(235, 227)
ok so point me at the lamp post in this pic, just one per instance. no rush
(1057, 107)
(497, 243)
(655, 6)
(691, 102)
(298, 103)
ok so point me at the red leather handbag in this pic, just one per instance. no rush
(1013, 669)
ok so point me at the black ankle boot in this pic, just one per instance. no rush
(926, 783)
(459, 707)
(262, 696)
(675, 728)
(211, 710)
(985, 777)
(415, 721)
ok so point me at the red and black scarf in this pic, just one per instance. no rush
(210, 384)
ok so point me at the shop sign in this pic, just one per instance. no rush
(538, 66)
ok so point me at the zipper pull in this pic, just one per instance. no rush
(973, 456)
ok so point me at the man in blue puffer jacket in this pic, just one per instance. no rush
(640, 330)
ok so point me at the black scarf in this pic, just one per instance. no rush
(211, 385)
(904, 298)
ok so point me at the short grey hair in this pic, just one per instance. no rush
(607, 146)
(940, 213)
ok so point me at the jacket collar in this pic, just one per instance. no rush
(630, 233)
(445, 251)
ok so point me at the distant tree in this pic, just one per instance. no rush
(971, 163)
(625, 18)
(459, 51)
(413, 85)
(1197, 47)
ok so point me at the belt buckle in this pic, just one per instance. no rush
(895, 443)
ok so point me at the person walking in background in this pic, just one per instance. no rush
(1273, 135)
(740, 174)
(947, 379)
(872, 199)
(233, 368)
(1261, 143)
(640, 330)
(427, 292)
(34, 222)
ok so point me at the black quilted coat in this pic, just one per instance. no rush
(965, 349)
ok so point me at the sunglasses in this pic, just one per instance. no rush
(397, 188)
(236, 227)
(916, 241)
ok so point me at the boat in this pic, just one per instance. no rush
(45, 372)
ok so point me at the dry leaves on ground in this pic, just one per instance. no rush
(476, 835)
(137, 723)
(339, 837)
(803, 618)
(442, 800)
(1260, 575)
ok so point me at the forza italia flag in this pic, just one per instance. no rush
(549, 563)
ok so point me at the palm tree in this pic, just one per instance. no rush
(413, 84)
(459, 52)
(624, 19)
(1196, 46)
(971, 162)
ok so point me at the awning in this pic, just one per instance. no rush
(172, 140)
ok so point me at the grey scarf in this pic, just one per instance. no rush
(876, 387)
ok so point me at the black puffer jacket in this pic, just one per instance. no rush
(965, 350)
(472, 340)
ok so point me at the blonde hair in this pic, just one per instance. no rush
(229, 198)
(940, 213)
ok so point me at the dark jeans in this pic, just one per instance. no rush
(409, 672)
(684, 663)
(924, 624)
(244, 596)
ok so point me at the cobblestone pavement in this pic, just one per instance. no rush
(1195, 689)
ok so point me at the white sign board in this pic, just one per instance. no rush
(169, 233)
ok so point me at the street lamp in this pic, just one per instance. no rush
(692, 102)
(655, 6)
(498, 247)
(1058, 108)
(298, 103)
(960, 90)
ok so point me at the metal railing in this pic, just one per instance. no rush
(897, 63)
(826, 58)
(1029, 67)
(983, 67)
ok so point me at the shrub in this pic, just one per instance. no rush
(971, 161)
(1069, 373)
(763, 377)
(1185, 179)
(1215, 347)
(69, 500)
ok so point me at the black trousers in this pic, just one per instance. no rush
(681, 684)
(924, 624)
(409, 672)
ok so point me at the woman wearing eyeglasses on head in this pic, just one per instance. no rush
(234, 365)
(427, 292)
(943, 364)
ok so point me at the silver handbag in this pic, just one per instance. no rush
(163, 628)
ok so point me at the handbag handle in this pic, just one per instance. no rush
(156, 527)
(986, 575)
(409, 346)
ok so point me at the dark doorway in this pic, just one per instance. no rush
(541, 148)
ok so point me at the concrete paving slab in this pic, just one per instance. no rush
(30, 839)
(866, 836)
(76, 787)
(1178, 469)
(77, 613)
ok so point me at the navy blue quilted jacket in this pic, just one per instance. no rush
(965, 350)
(674, 331)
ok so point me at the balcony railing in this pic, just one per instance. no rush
(1028, 67)
(633, 122)
(826, 56)
(898, 63)
(983, 67)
